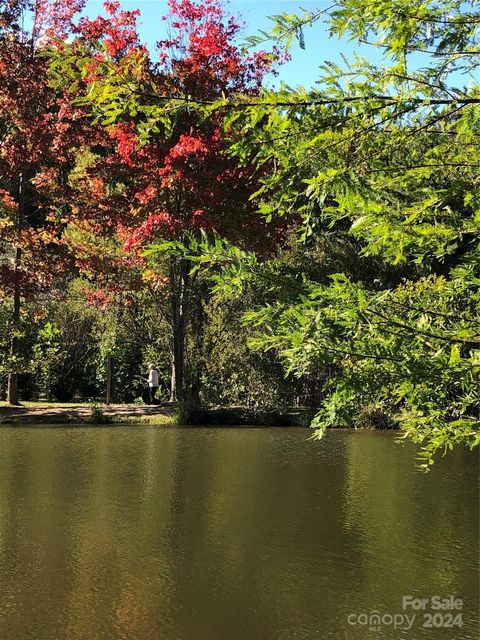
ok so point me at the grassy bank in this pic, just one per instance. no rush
(161, 415)
(85, 413)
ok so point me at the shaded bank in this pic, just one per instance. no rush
(164, 414)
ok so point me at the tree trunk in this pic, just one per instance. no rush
(12, 389)
(180, 281)
(178, 362)
(173, 381)
(108, 394)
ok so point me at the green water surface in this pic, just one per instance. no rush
(141, 533)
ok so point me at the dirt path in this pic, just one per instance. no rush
(81, 413)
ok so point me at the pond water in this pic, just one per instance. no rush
(141, 533)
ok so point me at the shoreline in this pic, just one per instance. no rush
(76, 414)
(164, 415)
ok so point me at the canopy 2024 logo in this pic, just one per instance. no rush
(432, 612)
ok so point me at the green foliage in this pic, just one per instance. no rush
(47, 355)
(233, 371)
(97, 416)
(376, 298)
(388, 154)
(66, 342)
(414, 348)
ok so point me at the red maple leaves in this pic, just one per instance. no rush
(181, 180)
(202, 53)
(118, 30)
(87, 181)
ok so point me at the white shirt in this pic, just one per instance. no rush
(153, 378)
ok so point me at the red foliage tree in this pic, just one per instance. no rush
(165, 173)
(36, 131)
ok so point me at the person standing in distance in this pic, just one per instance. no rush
(152, 382)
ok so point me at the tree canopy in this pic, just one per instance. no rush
(348, 215)
(389, 153)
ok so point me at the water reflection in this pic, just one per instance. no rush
(143, 534)
(422, 529)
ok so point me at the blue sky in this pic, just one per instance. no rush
(303, 69)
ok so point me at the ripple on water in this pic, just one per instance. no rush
(227, 534)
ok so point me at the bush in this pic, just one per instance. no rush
(97, 416)
(375, 417)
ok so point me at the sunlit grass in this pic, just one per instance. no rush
(47, 412)
(156, 420)
(46, 404)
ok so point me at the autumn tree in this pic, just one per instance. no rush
(165, 176)
(35, 125)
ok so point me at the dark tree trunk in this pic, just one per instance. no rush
(12, 389)
(108, 394)
(180, 282)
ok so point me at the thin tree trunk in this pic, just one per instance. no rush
(178, 363)
(12, 389)
(173, 382)
(108, 394)
(180, 291)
